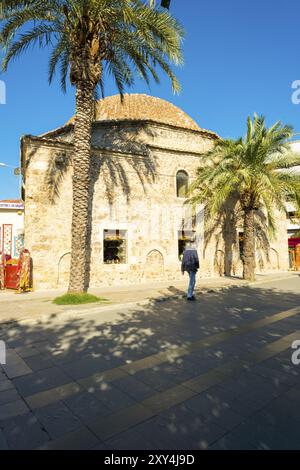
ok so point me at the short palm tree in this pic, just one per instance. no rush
(257, 170)
(90, 38)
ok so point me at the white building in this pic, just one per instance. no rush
(11, 227)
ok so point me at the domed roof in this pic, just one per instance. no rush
(141, 107)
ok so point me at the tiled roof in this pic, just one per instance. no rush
(141, 107)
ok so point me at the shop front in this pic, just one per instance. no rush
(11, 242)
(294, 253)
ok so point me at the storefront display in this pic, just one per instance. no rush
(16, 273)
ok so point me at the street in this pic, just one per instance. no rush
(212, 374)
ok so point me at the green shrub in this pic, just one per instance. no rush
(76, 299)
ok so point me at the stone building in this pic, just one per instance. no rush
(145, 153)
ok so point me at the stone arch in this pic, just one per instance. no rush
(154, 265)
(63, 269)
(182, 183)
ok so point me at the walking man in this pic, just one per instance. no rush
(190, 263)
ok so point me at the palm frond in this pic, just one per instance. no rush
(122, 37)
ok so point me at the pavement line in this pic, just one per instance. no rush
(53, 395)
(171, 354)
(106, 427)
(69, 314)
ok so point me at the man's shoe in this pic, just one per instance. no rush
(191, 298)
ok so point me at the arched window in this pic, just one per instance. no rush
(182, 183)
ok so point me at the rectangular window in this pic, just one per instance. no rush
(114, 246)
(184, 237)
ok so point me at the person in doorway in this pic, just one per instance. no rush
(190, 264)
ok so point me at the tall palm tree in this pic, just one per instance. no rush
(89, 39)
(257, 170)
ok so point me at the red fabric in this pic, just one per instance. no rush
(11, 277)
(294, 242)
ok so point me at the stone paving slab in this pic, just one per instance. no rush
(24, 432)
(15, 366)
(40, 381)
(12, 409)
(57, 420)
(232, 442)
(8, 396)
(6, 385)
(86, 406)
(53, 395)
(81, 439)
(265, 437)
(3, 442)
(109, 426)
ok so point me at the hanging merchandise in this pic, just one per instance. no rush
(24, 271)
(2, 270)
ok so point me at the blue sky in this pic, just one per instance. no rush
(241, 57)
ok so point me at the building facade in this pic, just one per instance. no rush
(11, 227)
(145, 154)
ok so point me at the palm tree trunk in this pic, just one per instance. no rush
(249, 246)
(81, 217)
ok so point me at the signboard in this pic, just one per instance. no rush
(12, 205)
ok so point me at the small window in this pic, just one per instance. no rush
(182, 183)
(115, 246)
(184, 237)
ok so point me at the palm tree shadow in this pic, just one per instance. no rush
(83, 348)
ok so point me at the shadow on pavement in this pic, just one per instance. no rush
(60, 352)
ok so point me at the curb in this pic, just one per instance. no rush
(210, 290)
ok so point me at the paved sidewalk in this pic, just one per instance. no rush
(212, 374)
(34, 305)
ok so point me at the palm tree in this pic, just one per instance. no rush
(258, 171)
(89, 39)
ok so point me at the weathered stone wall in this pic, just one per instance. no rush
(136, 193)
(47, 223)
(132, 192)
(157, 135)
